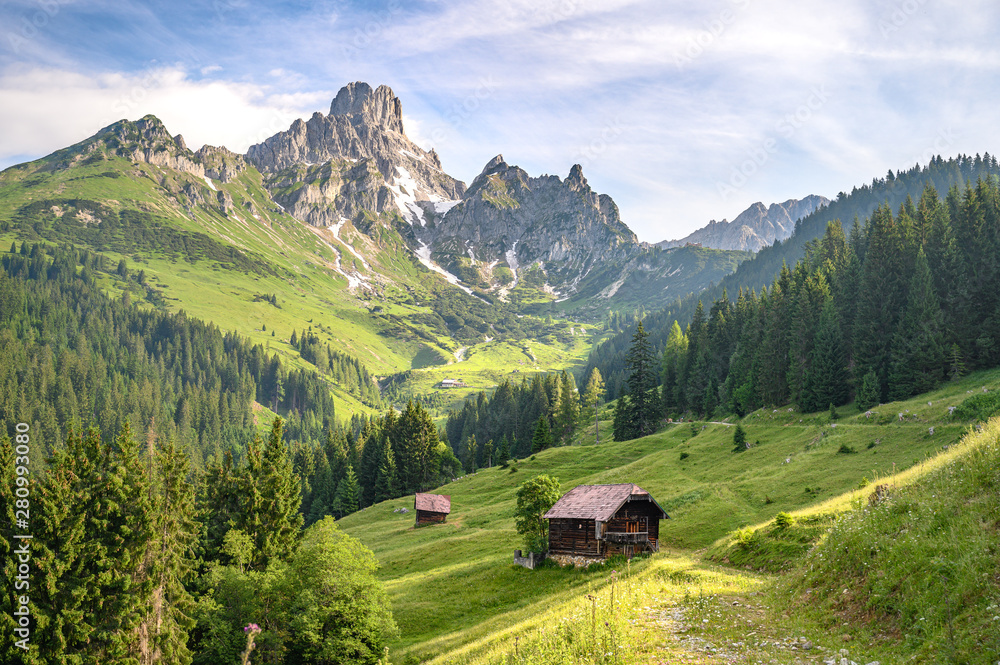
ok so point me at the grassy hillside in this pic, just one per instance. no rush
(225, 253)
(454, 587)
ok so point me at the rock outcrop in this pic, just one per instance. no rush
(755, 228)
(345, 158)
(561, 226)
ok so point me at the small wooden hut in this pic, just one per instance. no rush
(600, 520)
(431, 508)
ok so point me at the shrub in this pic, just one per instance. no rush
(684, 456)
(783, 520)
(846, 449)
(978, 407)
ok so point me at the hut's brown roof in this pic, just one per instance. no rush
(433, 503)
(596, 502)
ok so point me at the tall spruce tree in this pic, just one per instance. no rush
(568, 409)
(386, 479)
(164, 634)
(643, 406)
(280, 499)
(918, 353)
(826, 379)
(542, 438)
(348, 491)
(672, 364)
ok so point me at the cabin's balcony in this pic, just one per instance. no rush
(621, 538)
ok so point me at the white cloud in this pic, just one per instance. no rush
(47, 109)
(688, 90)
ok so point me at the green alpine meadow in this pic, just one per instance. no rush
(578, 333)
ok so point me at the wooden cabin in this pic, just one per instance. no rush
(600, 520)
(431, 508)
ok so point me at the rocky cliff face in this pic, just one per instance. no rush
(755, 228)
(354, 169)
(356, 159)
(509, 219)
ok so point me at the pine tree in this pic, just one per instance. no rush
(918, 346)
(488, 454)
(542, 438)
(220, 503)
(63, 584)
(386, 480)
(621, 426)
(642, 407)
(504, 455)
(593, 394)
(280, 500)
(881, 297)
(346, 500)
(568, 409)
(739, 438)
(674, 359)
(956, 363)
(869, 393)
(470, 454)
(826, 379)
(167, 627)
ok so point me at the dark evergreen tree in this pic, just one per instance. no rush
(641, 411)
(542, 438)
(280, 498)
(164, 634)
(739, 438)
(386, 480)
(346, 500)
(504, 455)
(826, 380)
(918, 354)
(868, 393)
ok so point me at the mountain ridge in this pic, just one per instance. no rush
(753, 229)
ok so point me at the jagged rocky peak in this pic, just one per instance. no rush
(364, 129)
(220, 163)
(509, 218)
(575, 179)
(755, 228)
(376, 107)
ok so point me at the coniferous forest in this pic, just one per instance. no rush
(884, 311)
(860, 203)
(169, 528)
(163, 551)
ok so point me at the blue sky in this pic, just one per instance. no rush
(681, 111)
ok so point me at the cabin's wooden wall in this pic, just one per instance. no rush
(428, 517)
(568, 536)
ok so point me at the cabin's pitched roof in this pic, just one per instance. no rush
(433, 503)
(597, 502)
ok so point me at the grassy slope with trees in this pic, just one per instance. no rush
(795, 462)
(253, 270)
